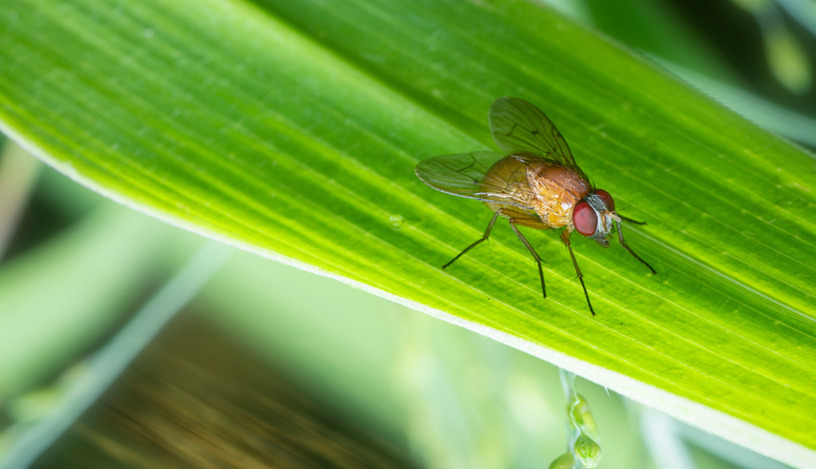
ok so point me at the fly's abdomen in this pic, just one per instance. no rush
(507, 183)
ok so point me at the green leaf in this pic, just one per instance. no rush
(291, 129)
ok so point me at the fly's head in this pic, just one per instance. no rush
(594, 214)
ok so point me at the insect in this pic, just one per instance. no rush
(535, 183)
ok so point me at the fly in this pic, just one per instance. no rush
(534, 182)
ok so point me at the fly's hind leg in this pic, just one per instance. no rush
(483, 238)
(535, 256)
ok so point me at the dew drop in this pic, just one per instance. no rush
(396, 221)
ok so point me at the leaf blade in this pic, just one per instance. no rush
(293, 129)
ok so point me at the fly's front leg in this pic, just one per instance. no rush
(626, 246)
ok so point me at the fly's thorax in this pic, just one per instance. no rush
(557, 189)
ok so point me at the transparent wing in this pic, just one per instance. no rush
(518, 127)
(458, 174)
(463, 175)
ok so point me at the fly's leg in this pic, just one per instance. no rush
(630, 220)
(565, 237)
(626, 246)
(535, 256)
(483, 238)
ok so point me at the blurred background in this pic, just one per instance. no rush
(126, 342)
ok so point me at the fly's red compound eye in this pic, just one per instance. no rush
(607, 199)
(585, 219)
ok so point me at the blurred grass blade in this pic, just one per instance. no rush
(291, 129)
(87, 381)
(48, 313)
(18, 175)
